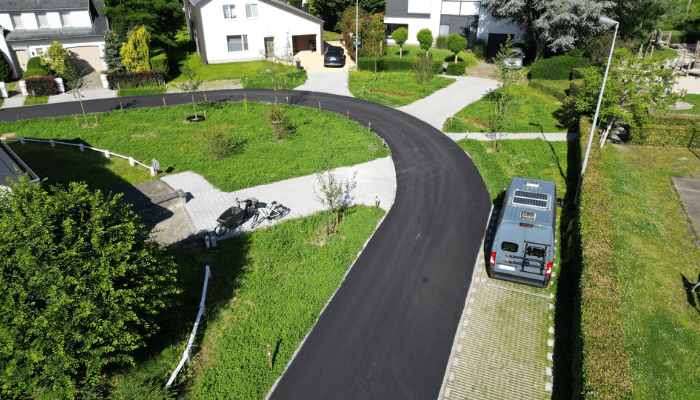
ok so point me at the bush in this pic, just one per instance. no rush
(668, 131)
(279, 121)
(135, 79)
(391, 64)
(220, 141)
(424, 68)
(159, 62)
(42, 86)
(5, 70)
(456, 69)
(556, 68)
(84, 284)
(34, 63)
(425, 38)
(479, 49)
(441, 42)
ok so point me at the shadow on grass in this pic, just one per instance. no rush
(689, 293)
(567, 318)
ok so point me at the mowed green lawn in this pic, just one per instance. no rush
(256, 157)
(394, 89)
(657, 264)
(530, 111)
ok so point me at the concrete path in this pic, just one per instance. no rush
(363, 183)
(444, 103)
(86, 95)
(327, 82)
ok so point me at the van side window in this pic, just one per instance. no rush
(507, 246)
(535, 251)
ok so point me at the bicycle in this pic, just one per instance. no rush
(270, 212)
(233, 216)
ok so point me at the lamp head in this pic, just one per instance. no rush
(607, 21)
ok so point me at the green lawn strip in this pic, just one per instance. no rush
(521, 158)
(269, 288)
(661, 53)
(438, 54)
(65, 164)
(657, 262)
(393, 89)
(256, 158)
(330, 36)
(531, 111)
(553, 88)
(142, 91)
(35, 100)
(693, 99)
(255, 72)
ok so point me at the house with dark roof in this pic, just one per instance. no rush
(12, 167)
(32, 25)
(246, 30)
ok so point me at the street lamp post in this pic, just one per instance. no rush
(357, 23)
(606, 21)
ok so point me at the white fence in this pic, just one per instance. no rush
(186, 354)
(82, 147)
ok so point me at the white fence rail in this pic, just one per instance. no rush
(82, 147)
(186, 354)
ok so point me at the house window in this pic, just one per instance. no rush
(17, 21)
(42, 20)
(237, 43)
(251, 11)
(229, 11)
(65, 19)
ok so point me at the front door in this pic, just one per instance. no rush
(269, 47)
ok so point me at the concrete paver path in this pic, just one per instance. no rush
(362, 183)
(327, 82)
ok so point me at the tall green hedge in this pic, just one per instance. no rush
(604, 365)
(669, 131)
(159, 61)
(392, 64)
(556, 68)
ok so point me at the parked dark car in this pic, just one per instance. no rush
(334, 57)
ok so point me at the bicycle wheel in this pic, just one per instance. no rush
(220, 230)
(257, 220)
(282, 211)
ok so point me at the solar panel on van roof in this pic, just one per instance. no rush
(532, 199)
(531, 195)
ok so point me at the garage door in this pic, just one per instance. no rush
(495, 42)
(304, 42)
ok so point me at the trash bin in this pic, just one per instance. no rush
(298, 64)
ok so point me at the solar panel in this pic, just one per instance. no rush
(530, 202)
(531, 195)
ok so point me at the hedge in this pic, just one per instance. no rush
(34, 63)
(441, 42)
(556, 68)
(135, 79)
(42, 86)
(5, 70)
(669, 131)
(685, 37)
(456, 69)
(34, 72)
(159, 62)
(392, 64)
(605, 370)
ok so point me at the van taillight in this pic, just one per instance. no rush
(548, 271)
(526, 225)
(493, 258)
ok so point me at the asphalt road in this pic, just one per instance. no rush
(388, 332)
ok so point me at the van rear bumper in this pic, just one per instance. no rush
(537, 280)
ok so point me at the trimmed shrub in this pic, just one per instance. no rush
(135, 79)
(479, 49)
(556, 68)
(425, 38)
(391, 64)
(34, 63)
(42, 86)
(669, 131)
(456, 69)
(159, 62)
(441, 42)
(5, 70)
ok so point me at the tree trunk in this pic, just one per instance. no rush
(400, 52)
(605, 134)
(456, 58)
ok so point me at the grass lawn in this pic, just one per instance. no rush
(254, 71)
(34, 100)
(256, 157)
(332, 36)
(267, 287)
(693, 99)
(553, 88)
(532, 111)
(661, 53)
(65, 164)
(141, 91)
(657, 265)
(393, 89)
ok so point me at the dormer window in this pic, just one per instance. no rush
(17, 21)
(251, 11)
(65, 18)
(42, 20)
(230, 11)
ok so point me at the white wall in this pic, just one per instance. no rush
(488, 24)
(271, 22)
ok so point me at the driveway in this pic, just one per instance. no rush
(388, 331)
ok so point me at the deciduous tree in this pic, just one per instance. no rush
(400, 36)
(57, 59)
(135, 54)
(456, 43)
(425, 38)
(81, 286)
(162, 18)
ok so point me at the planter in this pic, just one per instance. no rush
(105, 82)
(3, 90)
(23, 88)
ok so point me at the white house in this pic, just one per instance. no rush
(245, 30)
(34, 25)
(443, 17)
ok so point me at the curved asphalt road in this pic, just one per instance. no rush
(388, 332)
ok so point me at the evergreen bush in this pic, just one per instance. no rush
(556, 68)
(159, 62)
(441, 42)
(5, 70)
(479, 49)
